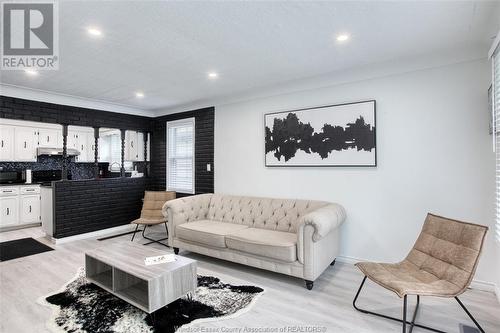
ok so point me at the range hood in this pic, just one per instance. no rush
(56, 151)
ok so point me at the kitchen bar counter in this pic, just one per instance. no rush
(83, 206)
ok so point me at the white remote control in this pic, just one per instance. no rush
(164, 258)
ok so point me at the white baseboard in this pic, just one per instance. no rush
(475, 284)
(122, 228)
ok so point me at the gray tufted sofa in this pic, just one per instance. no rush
(294, 237)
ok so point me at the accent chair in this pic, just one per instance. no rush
(151, 213)
(442, 263)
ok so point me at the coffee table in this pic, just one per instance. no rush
(119, 269)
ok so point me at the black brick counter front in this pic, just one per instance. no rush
(90, 205)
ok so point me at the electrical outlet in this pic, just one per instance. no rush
(209, 167)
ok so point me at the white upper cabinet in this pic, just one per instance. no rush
(148, 147)
(134, 146)
(25, 142)
(131, 146)
(91, 147)
(48, 137)
(140, 147)
(6, 143)
(81, 139)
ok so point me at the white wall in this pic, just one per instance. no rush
(434, 155)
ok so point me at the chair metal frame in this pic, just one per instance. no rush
(412, 322)
(151, 240)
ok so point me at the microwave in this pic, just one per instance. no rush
(12, 177)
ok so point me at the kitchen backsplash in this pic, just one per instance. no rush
(78, 170)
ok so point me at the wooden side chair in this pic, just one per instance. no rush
(442, 263)
(151, 213)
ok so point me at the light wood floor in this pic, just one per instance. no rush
(285, 303)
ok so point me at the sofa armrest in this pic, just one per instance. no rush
(184, 210)
(324, 220)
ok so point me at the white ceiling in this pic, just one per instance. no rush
(166, 49)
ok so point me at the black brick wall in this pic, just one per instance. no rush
(23, 109)
(204, 149)
(91, 205)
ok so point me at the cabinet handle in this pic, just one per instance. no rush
(8, 211)
(7, 191)
(2, 143)
(30, 208)
(47, 138)
(30, 190)
(24, 144)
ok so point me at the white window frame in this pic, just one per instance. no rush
(494, 55)
(176, 123)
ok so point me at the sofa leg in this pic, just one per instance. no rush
(176, 250)
(333, 262)
(309, 284)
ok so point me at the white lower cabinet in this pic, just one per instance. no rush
(9, 210)
(19, 205)
(30, 208)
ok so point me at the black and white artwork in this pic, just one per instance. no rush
(335, 135)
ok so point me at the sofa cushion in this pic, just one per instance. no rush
(207, 232)
(264, 213)
(267, 243)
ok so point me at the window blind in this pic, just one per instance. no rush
(495, 95)
(180, 155)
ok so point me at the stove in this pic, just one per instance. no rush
(46, 177)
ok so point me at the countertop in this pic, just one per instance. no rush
(21, 184)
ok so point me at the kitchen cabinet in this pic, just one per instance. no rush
(91, 148)
(6, 143)
(140, 147)
(82, 139)
(30, 208)
(131, 146)
(134, 146)
(148, 151)
(46, 210)
(25, 142)
(19, 205)
(49, 138)
(9, 211)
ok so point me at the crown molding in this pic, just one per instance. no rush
(56, 98)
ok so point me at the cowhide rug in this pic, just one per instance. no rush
(82, 307)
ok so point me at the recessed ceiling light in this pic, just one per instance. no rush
(139, 94)
(213, 75)
(94, 31)
(31, 72)
(342, 37)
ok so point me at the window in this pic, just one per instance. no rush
(180, 155)
(495, 96)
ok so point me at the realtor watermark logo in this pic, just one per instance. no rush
(30, 35)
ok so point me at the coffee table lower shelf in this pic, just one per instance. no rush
(146, 294)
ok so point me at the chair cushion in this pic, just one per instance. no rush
(405, 278)
(267, 243)
(149, 221)
(207, 232)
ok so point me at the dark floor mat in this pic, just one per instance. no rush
(21, 248)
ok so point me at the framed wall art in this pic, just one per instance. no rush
(340, 135)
